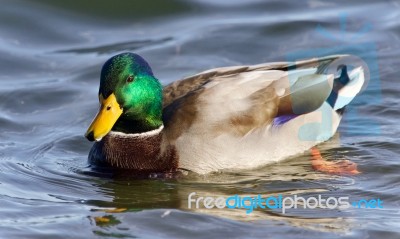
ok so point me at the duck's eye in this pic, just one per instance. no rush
(108, 108)
(130, 79)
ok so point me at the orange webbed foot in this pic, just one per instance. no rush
(341, 167)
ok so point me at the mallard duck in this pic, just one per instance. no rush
(228, 118)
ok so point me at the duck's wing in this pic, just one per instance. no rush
(240, 99)
(182, 87)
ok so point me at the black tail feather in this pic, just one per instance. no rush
(338, 84)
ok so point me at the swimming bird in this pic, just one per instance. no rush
(229, 118)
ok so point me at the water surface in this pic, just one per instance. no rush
(50, 59)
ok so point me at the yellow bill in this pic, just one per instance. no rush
(105, 119)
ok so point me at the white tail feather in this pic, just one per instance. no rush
(351, 89)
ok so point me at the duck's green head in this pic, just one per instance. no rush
(130, 98)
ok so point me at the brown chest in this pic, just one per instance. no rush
(145, 153)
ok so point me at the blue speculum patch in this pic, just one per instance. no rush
(280, 120)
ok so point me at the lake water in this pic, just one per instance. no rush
(50, 59)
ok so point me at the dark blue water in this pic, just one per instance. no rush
(50, 59)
